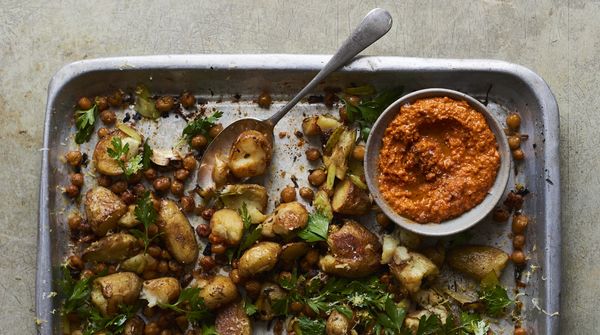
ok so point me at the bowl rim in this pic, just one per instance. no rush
(469, 218)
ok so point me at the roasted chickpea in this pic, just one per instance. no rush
(103, 132)
(343, 114)
(203, 230)
(164, 254)
(513, 201)
(162, 184)
(317, 177)
(218, 249)
(177, 187)
(296, 307)
(252, 288)
(104, 181)
(187, 100)
(102, 103)
(288, 194)
(74, 158)
(518, 154)
(72, 191)
(164, 104)
(199, 142)
(150, 174)
(119, 187)
(208, 213)
(215, 130)
(75, 262)
(77, 179)
(519, 241)
(187, 203)
(358, 153)
(189, 163)
(163, 267)
(518, 257)
(151, 328)
(514, 142)
(234, 275)
(152, 229)
(312, 257)
(500, 214)
(207, 263)
(108, 117)
(307, 193)
(174, 266)
(313, 154)
(84, 103)
(138, 189)
(215, 239)
(264, 100)
(182, 174)
(154, 251)
(382, 220)
(520, 331)
(115, 99)
(354, 100)
(513, 121)
(519, 223)
(74, 220)
(166, 332)
(128, 197)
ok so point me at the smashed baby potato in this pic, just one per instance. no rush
(337, 324)
(349, 199)
(254, 196)
(112, 248)
(259, 258)
(477, 261)
(233, 320)
(250, 155)
(177, 232)
(218, 292)
(133, 326)
(107, 165)
(354, 251)
(269, 294)
(110, 292)
(129, 220)
(103, 209)
(411, 274)
(288, 218)
(160, 291)
(294, 250)
(138, 263)
(227, 225)
(220, 172)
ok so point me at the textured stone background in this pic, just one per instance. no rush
(558, 39)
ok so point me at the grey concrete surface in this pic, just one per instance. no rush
(558, 39)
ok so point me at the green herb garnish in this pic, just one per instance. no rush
(146, 156)
(119, 152)
(84, 121)
(146, 214)
(251, 232)
(493, 295)
(200, 125)
(316, 230)
(311, 327)
(191, 304)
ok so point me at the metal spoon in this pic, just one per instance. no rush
(375, 24)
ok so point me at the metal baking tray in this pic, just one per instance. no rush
(231, 82)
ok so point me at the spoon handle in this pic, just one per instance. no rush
(375, 24)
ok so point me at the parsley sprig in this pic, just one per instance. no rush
(316, 230)
(494, 296)
(146, 214)
(251, 232)
(191, 304)
(84, 121)
(119, 152)
(200, 125)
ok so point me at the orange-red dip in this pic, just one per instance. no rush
(438, 160)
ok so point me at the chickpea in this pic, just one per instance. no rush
(163, 267)
(296, 307)
(135, 178)
(514, 201)
(108, 117)
(187, 100)
(317, 177)
(152, 229)
(218, 249)
(119, 187)
(359, 153)
(87, 273)
(77, 179)
(116, 99)
(519, 241)
(208, 213)
(75, 262)
(150, 174)
(514, 142)
(215, 130)
(99, 268)
(383, 220)
(313, 154)
(354, 100)
(174, 266)
(102, 132)
(182, 174)
(154, 251)
(234, 275)
(74, 158)
(519, 223)
(520, 331)
(166, 332)
(177, 188)
(518, 257)
(203, 230)
(151, 329)
(307, 193)
(164, 104)
(500, 214)
(182, 322)
(215, 239)
(288, 194)
(139, 189)
(385, 279)
(74, 221)
(128, 197)
(252, 288)
(207, 263)
(187, 203)
(162, 184)
(189, 163)
(343, 114)
(84, 103)
(102, 103)
(513, 121)
(312, 257)
(518, 154)
(104, 181)
(149, 312)
(164, 254)
(264, 100)
(199, 142)
(72, 191)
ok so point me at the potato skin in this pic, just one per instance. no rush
(129, 220)
(259, 258)
(111, 248)
(337, 324)
(269, 293)
(227, 224)
(250, 154)
(218, 292)
(232, 320)
(134, 326)
(121, 288)
(103, 209)
(178, 234)
(349, 199)
(288, 218)
(411, 274)
(161, 290)
(106, 164)
(294, 250)
(477, 261)
(354, 251)
(138, 263)
(254, 196)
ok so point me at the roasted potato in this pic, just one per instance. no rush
(288, 218)
(269, 293)
(218, 292)
(477, 261)
(337, 324)
(138, 263)
(327, 123)
(254, 196)
(103, 209)
(310, 127)
(259, 258)
(178, 234)
(294, 250)
(121, 288)
(353, 251)
(220, 172)
(412, 273)
(232, 320)
(112, 248)
(250, 155)
(106, 164)
(129, 220)
(349, 199)
(160, 290)
(228, 226)
(133, 326)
